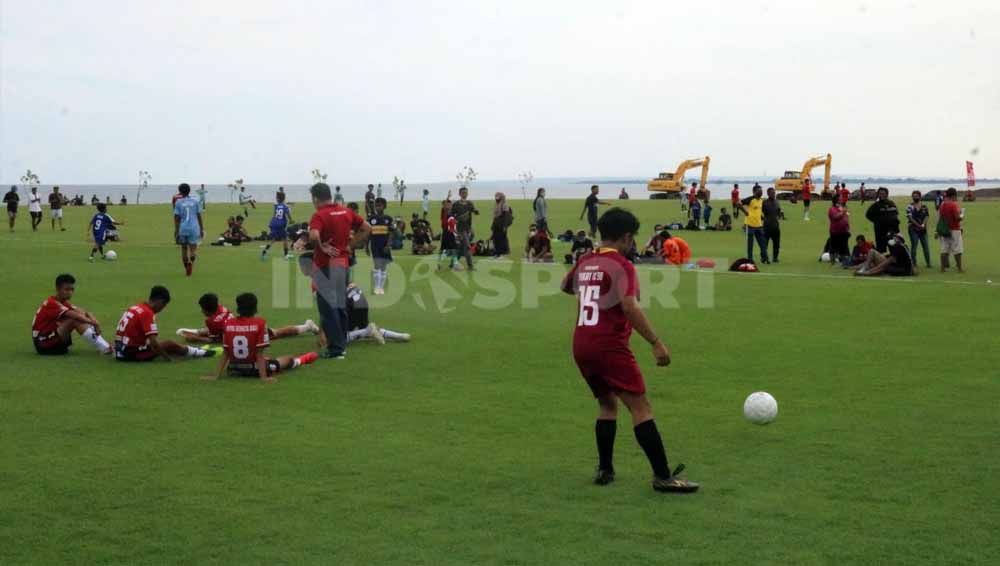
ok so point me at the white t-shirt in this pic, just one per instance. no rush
(34, 203)
(245, 198)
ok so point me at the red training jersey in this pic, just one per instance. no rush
(243, 339)
(216, 324)
(136, 325)
(47, 317)
(845, 195)
(693, 195)
(952, 214)
(335, 223)
(735, 196)
(601, 280)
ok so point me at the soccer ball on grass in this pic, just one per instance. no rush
(760, 408)
(111, 255)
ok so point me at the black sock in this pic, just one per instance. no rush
(605, 431)
(649, 438)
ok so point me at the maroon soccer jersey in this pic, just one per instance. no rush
(243, 339)
(601, 280)
(216, 324)
(43, 327)
(136, 325)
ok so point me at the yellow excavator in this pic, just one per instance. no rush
(792, 180)
(674, 182)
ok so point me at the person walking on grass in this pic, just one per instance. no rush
(916, 219)
(950, 233)
(35, 209)
(590, 206)
(807, 196)
(56, 209)
(503, 217)
(462, 210)
(607, 291)
(541, 209)
(11, 199)
(753, 213)
(840, 231)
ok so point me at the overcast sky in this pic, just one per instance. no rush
(211, 90)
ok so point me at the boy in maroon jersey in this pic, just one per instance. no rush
(56, 320)
(244, 340)
(216, 317)
(136, 335)
(607, 291)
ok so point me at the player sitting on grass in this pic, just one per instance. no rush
(136, 336)
(607, 292)
(57, 319)
(216, 317)
(538, 248)
(101, 226)
(896, 261)
(279, 226)
(244, 340)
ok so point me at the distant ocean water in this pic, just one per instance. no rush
(480, 190)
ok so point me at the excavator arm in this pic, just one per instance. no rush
(676, 183)
(811, 164)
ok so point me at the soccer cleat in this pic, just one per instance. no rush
(376, 333)
(332, 356)
(90, 259)
(312, 326)
(603, 477)
(674, 483)
(211, 351)
(404, 337)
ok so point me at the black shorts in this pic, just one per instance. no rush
(805, 203)
(129, 354)
(896, 271)
(273, 367)
(53, 346)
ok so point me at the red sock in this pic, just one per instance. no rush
(187, 269)
(307, 358)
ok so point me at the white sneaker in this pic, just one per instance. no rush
(312, 326)
(404, 337)
(376, 333)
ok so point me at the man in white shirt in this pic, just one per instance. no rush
(35, 208)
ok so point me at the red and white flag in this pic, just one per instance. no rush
(970, 174)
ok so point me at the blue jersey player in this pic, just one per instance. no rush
(380, 241)
(100, 225)
(188, 227)
(279, 226)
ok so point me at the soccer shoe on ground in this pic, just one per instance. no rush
(289, 256)
(329, 356)
(211, 351)
(90, 259)
(675, 484)
(312, 326)
(403, 337)
(376, 333)
(603, 477)
(263, 256)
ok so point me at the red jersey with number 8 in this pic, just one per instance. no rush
(243, 339)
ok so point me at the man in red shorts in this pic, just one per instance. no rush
(607, 292)
(57, 319)
(136, 335)
(244, 340)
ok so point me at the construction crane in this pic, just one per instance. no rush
(792, 180)
(674, 182)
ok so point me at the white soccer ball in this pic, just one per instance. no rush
(760, 408)
(111, 255)
(825, 256)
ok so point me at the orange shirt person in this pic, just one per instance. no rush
(675, 250)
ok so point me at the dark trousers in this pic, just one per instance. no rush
(331, 301)
(882, 239)
(919, 236)
(839, 245)
(773, 236)
(756, 234)
(465, 246)
(501, 244)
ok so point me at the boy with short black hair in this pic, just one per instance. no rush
(244, 340)
(100, 225)
(217, 315)
(136, 336)
(56, 320)
(607, 288)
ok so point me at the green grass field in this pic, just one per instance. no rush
(474, 443)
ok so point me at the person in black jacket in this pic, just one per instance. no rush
(884, 216)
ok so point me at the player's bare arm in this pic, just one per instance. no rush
(223, 364)
(632, 310)
(361, 235)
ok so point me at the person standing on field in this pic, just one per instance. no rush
(541, 208)
(330, 233)
(884, 217)
(753, 213)
(734, 200)
(807, 196)
(55, 209)
(916, 218)
(590, 209)
(11, 199)
(951, 244)
(772, 225)
(35, 209)
(462, 210)
(607, 291)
